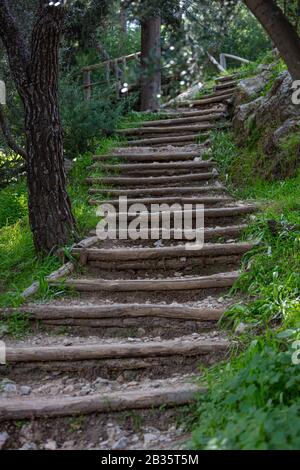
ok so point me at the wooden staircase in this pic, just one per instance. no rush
(141, 315)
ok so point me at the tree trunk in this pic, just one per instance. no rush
(281, 31)
(50, 215)
(35, 71)
(123, 18)
(151, 64)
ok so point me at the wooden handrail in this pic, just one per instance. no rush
(223, 57)
(117, 60)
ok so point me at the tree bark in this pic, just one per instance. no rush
(281, 31)
(35, 72)
(123, 18)
(151, 63)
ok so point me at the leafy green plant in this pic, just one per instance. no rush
(16, 325)
(84, 122)
(252, 402)
(13, 203)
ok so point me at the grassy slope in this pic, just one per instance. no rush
(19, 266)
(253, 401)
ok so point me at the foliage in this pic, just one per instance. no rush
(84, 122)
(13, 203)
(245, 37)
(252, 402)
(272, 269)
(19, 265)
(17, 325)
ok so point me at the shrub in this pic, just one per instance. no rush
(252, 403)
(84, 122)
(13, 204)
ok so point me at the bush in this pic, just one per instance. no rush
(84, 122)
(252, 403)
(13, 204)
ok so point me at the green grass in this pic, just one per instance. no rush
(19, 265)
(253, 400)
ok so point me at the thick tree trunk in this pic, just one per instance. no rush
(151, 63)
(35, 72)
(281, 31)
(50, 214)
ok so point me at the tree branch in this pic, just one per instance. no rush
(280, 30)
(8, 137)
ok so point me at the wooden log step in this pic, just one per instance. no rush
(131, 181)
(215, 281)
(166, 130)
(155, 191)
(208, 200)
(115, 311)
(221, 108)
(144, 173)
(232, 231)
(98, 351)
(214, 213)
(226, 84)
(227, 78)
(126, 254)
(124, 168)
(149, 157)
(184, 120)
(178, 141)
(206, 101)
(12, 409)
(198, 265)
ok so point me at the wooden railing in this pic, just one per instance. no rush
(114, 69)
(222, 65)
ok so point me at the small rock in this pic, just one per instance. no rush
(3, 439)
(148, 438)
(120, 444)
(25, 390)
(9, 388)
(155, 385)
(26, 432)
(50, 445)
(141, 331)
(68, 445)
(69, 389)
(29, 446)
(101, 381)
(242, 328)
(67, 342)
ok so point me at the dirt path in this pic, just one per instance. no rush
(112, 365)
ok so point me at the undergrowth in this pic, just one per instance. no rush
(19, 265)
(253, 400)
